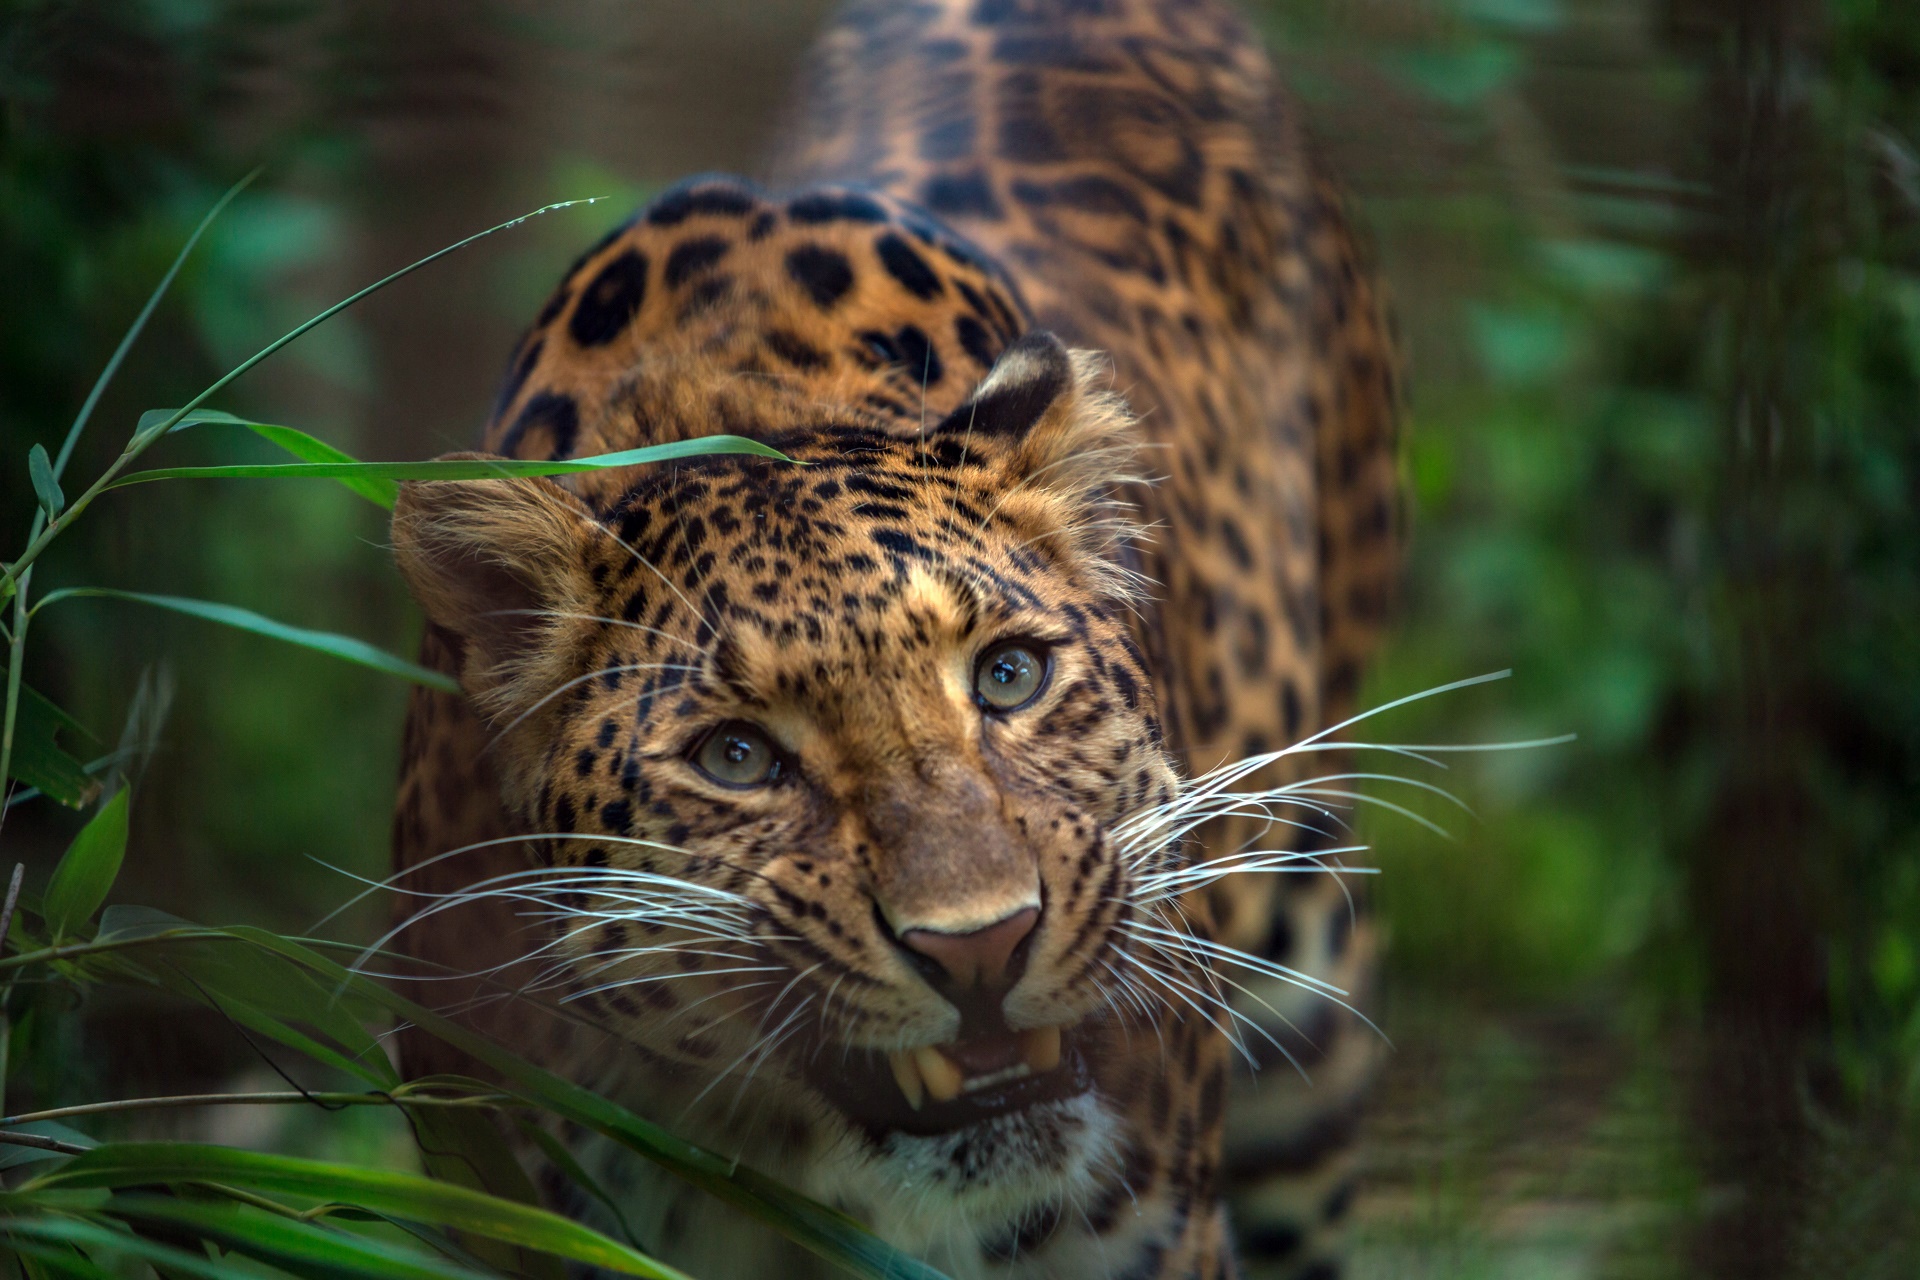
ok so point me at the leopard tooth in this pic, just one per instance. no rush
(1040, 1046)
(941, 1073)
(906, 1074)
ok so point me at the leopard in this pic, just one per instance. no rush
(901, 804)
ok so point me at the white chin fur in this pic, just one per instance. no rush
(940, 1196)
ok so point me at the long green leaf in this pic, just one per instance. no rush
(45, 1261)
(92, 1235)
(38, 760)
(460, 469)
(305, 1248)
(343, 647)
(88, 869)
(382, 493)
(401, 1194)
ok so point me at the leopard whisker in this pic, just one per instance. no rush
(623, 955)
(1192, 811)
(770, 1045)
(1166, 884)
(1149, 843)
(374, 886)
(1220, 951)
(692, 609)
(1186, 991)
(668, 636)
(522, 886)
(667, 977)
(759, 1042)
(520, 719)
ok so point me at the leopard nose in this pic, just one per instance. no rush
(980, 958)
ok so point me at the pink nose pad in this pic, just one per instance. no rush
(979, 958)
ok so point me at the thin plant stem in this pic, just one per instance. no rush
(142, 439)
(6, 991)
(40, 1143)
(19, 572)
(397, 1097)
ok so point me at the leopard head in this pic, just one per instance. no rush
(823, 761)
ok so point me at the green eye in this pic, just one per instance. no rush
(738, 755)
(1009, 675)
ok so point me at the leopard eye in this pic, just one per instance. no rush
(738, 755)
(1009, 675)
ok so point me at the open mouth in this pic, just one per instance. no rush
(938, 1088)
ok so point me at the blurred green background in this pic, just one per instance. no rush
(1657, 263)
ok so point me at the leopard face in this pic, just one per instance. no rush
(824, 761)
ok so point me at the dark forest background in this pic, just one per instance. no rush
(1657, 263)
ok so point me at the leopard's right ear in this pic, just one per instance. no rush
(499, 564)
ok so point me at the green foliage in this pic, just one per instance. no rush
(88, 870)
(198, 1209)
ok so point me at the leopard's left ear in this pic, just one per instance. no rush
(1071, 434)
(1073, 446)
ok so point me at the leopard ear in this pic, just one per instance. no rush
(499, 564)
(1069, 432)
(1074, 446)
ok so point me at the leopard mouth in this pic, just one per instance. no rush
(934, 1089)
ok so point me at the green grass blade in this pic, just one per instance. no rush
(346, 648)
(44, 1260)
(305, 1248)
(139, 324)
(400, 1194)
(461, 469)
(334, 310)
(87, 870)
(91, 1235)
(381, 493)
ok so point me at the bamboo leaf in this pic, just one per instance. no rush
(267, 994)
(43, 1261)
(346, 648)
(45, 486)
(461, 469)
(85, 1234)
(382, 493)
(305, 1248)
(170, 1260)
(88, 869)
(400, 1194)
(38, 760)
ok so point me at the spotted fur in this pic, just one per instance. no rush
(1075, 346)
